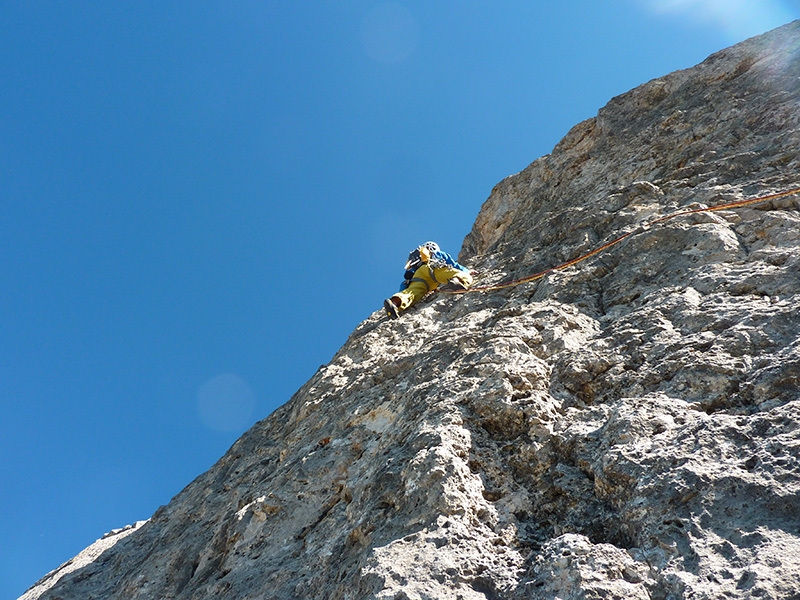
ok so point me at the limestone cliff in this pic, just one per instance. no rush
(625, 428)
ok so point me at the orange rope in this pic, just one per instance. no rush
(615, 241)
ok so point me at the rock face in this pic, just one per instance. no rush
(625, 428)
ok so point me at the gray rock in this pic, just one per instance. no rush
(628, 427)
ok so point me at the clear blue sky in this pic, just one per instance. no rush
(200, 201)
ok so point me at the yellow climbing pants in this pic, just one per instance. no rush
(426, 280)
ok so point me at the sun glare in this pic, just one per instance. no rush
(738, 19)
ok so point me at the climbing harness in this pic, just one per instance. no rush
(642, 228)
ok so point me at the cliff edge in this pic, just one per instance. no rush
(628, 427)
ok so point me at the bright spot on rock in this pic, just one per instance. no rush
(390, 33)
(225, 403)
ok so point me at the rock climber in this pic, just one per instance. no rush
(427, 268)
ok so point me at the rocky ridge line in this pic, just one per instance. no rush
(626, 429)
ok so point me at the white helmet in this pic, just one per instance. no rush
(433, 247)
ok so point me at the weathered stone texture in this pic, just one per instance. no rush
(626, 428)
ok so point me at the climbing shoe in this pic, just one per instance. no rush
(391, 309)
(454, 285)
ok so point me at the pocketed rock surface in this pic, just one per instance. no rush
(625, 428)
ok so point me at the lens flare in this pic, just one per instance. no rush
(225, 403)
(389, 32)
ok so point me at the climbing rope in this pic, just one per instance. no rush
(642, 228)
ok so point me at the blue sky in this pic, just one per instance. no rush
(200, 201)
